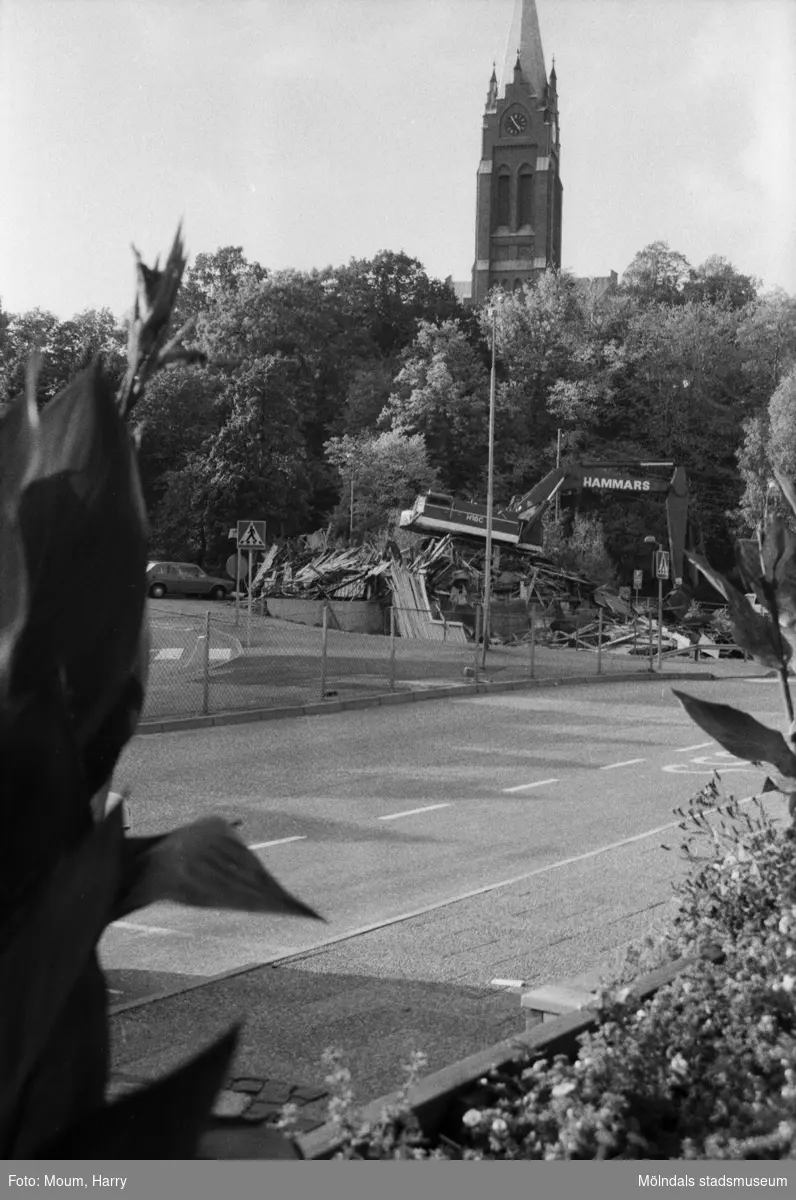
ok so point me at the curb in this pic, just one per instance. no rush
(449, 692)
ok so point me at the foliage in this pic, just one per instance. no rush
(677, 363)
(387, 471)
(71, 691)
(442, 392)
(581, 548)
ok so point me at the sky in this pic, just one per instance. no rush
(310, 132)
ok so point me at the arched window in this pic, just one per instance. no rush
(525, 197)
(503, 197)
(517, 285)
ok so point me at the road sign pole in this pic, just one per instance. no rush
(237, 588)
(249, 629)
(660, 622)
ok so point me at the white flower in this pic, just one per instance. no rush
(678, 1065)
(471, 1117)
(784, 924)
(788, 982)
(499, 1126)
(623, 994)
(563, 1089)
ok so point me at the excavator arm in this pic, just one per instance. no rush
(625, 478)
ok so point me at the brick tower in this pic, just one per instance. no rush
(519, 192)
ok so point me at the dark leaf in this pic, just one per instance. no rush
(753, 632)
(71, 1073)
(49, 951)
(103, 750)
(162, 1121)
(206, 865)
(740, 734)
(83, 528)
(779, 560)
(44, 800)
(19, 442)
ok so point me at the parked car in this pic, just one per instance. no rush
(164, 578)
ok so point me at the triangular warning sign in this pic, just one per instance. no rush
(251, 536)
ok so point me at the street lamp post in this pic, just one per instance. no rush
(489, 487)
(658, 549)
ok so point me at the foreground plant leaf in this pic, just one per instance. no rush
(83, 527)
(206, 865)
(52, 943)
(779, 562)
(740, 733)
(162, 1121)
(753, 632)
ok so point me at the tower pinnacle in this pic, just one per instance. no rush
(526, 40)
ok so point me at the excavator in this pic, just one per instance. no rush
(519, 523)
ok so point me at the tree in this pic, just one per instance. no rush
(442, 392)
(213, 277)
(717, 282)
(387, 470)
(657, 275)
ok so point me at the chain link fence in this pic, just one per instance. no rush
(208, 661)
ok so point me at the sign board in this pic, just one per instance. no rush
(251, 535)
(638, 579)
(662, 564)
(236, 566)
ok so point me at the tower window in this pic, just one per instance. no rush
(525, 197)
(503, 198)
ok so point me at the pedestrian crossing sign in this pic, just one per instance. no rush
(251, 535)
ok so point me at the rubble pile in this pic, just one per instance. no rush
(435, 586)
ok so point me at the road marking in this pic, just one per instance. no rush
(627, 763)
(521, 787)
(177, 652)
(699, 746)
(301, 837)
(221, 654)
(411, 812)
(507, 983)
(142, 928)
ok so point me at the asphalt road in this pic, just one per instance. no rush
(374, 815)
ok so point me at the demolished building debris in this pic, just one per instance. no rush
(435, 586)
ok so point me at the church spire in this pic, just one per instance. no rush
(525, 42)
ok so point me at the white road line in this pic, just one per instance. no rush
(521, 787)
(506, 983)
(410, 812)
(301, 837)
(141, 928)
(627, 763)
(220, 654)
(699, 746)
(176, 652)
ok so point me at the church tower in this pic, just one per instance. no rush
(519, 192)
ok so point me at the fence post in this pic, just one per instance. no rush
(206, 667)
(649, 622)
(600, 642)
(392, 647)
(533, 640)
(324, 640)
